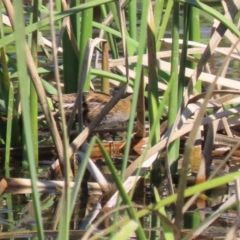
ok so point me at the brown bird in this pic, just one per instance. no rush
(93, 102)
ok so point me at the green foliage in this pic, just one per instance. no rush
(164, 90)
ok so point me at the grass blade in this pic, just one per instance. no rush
(22, 68)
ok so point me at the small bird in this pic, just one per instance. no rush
(92, 104)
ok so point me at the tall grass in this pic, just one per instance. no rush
(33, 42)
(165, 87)
(21, 46)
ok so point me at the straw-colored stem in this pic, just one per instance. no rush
(105, 87)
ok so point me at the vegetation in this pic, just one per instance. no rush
(122, 44)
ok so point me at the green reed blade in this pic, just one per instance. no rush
(6, 86)
(165, 21)
(9, 126)
(81, 172)
(110, 38)
(65, 200)
(86, 34)
(181, 86)
(173, 150)
(158, 13)
(202, 187)
(22, 68)
(230, 25)
(126, 231)
(110, 75)
(132, 18)
(153, 77)
(183, 61)
(131, 211)
(33, 42)
(70, 65)
(58, 16)
(167, 230)
(195, 35)
(70, 58)
(153, 106)
(141, 49)
(115, 32)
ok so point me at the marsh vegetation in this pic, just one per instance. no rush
(179, 96)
